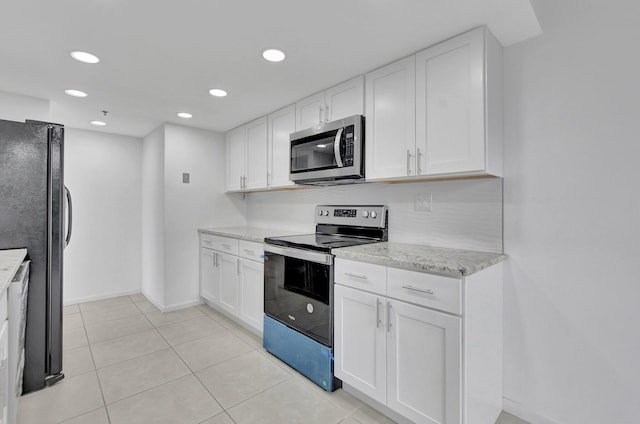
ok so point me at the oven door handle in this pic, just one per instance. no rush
(305, 255)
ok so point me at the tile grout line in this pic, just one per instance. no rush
(189, 368)
(104, 403)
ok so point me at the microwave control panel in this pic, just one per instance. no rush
(348, 145)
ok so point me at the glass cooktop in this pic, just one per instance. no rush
(319, 242)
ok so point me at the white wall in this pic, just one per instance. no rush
(153, 217)
(102, 171)
(16, 107)
(464, 214)
(201, 203)
(572, 292)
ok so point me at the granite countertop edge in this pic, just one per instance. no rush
(447, 262)
(254, 234)
(10, 261)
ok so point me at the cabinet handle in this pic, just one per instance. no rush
(427, 291)
(418, 160)
(226, 246)
(207, 242)
(249, 252)
(388, 317)
(320, 114)
(326, 113)
(268, 179)
(215, 260)
(358, 276)
(378, 320)
(409, 162)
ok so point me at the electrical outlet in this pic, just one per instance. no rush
(185, 178)
(422, 202)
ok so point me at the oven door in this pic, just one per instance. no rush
(298, 290)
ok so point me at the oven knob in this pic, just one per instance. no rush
(365, 214)
(325, 213)
(373, 214)
(320, 212)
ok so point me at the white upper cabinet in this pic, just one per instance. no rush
(281, 124)
(256, 168)
(345, 99)
(236, 145)
(247, 156)
(438, 113)
(390, 120)
(455, 101)
(337, 102)
(310, 111)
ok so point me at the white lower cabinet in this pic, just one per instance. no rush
(400, 344)
(360, 339)
(251, 294)
(423, 363)
(231, 279)
(209, 275)
(229, 268)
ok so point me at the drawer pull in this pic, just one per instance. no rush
(378, 320)
(207, 242)
(427, 291)
(226, 246)
(249, 252)
(358, 276)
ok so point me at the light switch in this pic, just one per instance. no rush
(185, 178)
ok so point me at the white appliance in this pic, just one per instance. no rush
(17, 309)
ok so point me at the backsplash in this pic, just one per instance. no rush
(465, 214)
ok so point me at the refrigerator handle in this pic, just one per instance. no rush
(69, 216)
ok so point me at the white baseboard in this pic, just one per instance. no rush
(520, 411)
(178, 306)
(98, 297)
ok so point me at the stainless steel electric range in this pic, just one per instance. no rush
(298, 287)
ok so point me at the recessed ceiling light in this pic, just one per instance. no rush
(76, 93)
(273, 55)
(98, 123)
(217, 92)
(85, 57)
(185, 115)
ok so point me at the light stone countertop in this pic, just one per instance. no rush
(253, 234)
(10, 261)
(414, 257)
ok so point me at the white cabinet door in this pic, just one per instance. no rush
(360, 341)
(229, 268)
(424, 364)
(209, 275)
(256, 170)
(310, 111)
(450, 105)
(390, 123)
(251, 296)
(345, 99)
(236, 141)
(281, 124)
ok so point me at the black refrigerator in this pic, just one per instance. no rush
(35, 213)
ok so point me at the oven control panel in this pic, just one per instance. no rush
(361, 215)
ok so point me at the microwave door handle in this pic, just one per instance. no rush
(336, 148)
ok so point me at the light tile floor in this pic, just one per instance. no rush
(126, 362)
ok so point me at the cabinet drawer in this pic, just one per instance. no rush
(251, 250)
(433, 291)
(222, 244)
(360, 275)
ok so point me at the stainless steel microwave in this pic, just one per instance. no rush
(330, 153)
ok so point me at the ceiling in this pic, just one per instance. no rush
(162, 57)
